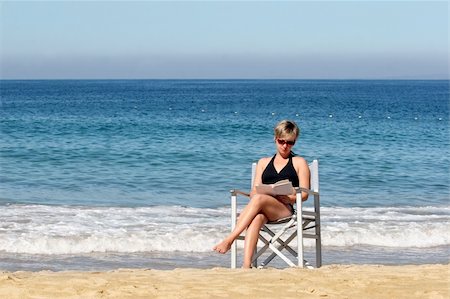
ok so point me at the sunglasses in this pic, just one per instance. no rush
(288, 142)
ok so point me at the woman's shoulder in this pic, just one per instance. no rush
(300, 161)
(264, 161)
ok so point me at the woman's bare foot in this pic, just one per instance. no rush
(223, 247)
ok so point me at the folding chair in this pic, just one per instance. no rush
(276, 240)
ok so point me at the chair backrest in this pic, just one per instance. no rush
(253, 174)
(313, 168)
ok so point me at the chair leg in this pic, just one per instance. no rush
(233, 255)
(299, 230)
(318, 247)
(317, 232)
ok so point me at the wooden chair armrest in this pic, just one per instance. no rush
(236, 192)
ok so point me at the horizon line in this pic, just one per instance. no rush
(237, 79)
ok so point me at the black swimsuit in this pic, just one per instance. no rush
(271, 176)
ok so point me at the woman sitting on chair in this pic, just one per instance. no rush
(263, 208)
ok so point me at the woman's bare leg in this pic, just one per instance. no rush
(251, 238)
(260, 203)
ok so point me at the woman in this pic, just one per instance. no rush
(263, 208)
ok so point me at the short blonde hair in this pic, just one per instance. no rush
(286, 128)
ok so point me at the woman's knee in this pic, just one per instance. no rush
(258, 199)
(260, 219)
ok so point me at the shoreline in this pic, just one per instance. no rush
(330, 281)
(159, 260)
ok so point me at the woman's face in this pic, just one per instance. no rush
(285, 144)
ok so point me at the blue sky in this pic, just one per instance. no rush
(280, 40)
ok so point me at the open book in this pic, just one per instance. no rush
(283, 187)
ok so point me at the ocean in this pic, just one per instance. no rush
(105, 174)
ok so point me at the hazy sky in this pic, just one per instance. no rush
(226, 39)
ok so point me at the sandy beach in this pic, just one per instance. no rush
(332, 281)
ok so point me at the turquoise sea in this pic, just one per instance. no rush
(101, 174)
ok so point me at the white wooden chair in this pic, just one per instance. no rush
(277, 235)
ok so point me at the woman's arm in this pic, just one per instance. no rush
(262, 164)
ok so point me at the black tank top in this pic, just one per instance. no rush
(271, 176)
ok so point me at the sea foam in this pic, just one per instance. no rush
(41, 229)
